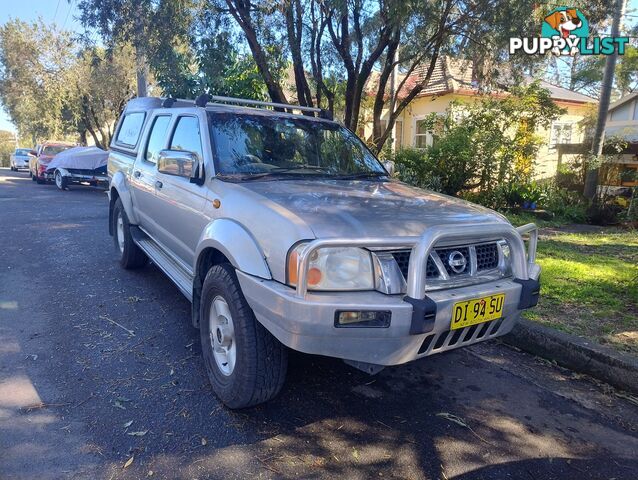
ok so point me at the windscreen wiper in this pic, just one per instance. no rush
(355, 176)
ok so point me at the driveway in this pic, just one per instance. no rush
(101, 377)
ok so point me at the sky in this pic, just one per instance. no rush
(64, 13)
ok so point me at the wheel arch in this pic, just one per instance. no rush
(119, 189)
(226, 241)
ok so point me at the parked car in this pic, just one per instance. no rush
(79, 165)
(284, 231)
(19, 159)
(44, 155)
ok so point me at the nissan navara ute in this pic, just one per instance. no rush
(285, 231)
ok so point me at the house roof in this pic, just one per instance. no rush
(623, 100)
(452, 75)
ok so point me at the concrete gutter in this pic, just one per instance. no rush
(616, 368)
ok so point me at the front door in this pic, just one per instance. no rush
(182, 202)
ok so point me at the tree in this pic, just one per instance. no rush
(150, 26)
(35, 61)
(7, 146)
(53, 88)
(104, 82)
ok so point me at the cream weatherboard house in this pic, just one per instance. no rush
(452, 80)
(622, 122)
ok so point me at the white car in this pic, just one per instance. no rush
(20, 159)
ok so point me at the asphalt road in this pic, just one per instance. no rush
(99, 365)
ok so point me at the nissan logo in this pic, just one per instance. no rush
(457, 261)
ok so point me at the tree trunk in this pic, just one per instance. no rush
(241, 13)
(591, 181)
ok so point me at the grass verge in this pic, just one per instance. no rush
(590, 285)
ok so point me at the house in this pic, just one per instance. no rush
(452, 80)
(622, 122)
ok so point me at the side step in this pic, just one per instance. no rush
(171, 267)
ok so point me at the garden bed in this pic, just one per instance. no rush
(590, 284)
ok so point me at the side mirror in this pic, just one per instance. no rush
(389, 166)
(181, 164)
(33, 153)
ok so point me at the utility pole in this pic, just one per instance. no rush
(140, 53)
(393, 95)
(591, 180)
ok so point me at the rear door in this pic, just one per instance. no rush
(144, 173)
(181, 202)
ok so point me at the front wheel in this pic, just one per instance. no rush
(246, 365)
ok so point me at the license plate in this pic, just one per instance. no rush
(477, 310)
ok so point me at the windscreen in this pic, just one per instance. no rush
(23, 152)
(255, 144)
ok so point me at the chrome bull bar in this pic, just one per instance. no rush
(522, 259)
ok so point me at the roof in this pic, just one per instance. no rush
(451, 75)
(623, 100)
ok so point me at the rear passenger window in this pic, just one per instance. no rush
(186, 136)
(157, 138)
(130, 130)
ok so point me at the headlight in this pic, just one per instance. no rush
(505, 264)
(334, 268)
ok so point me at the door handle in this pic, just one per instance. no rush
(137, 174)
(158, 184)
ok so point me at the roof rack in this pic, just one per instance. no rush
(203, 99)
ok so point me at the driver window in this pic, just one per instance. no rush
(186, 136)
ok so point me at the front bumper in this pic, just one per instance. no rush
(307, 324)
(305, 321)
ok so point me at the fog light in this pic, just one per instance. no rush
(363, 319)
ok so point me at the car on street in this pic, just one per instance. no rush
(19, 159)
(43, 156)
(285, 231)
(79, 165)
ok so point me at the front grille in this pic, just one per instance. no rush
(486, 256)
(486, 259)
(403, 260)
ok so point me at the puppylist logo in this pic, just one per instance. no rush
(565, 31)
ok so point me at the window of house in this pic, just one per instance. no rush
(157, 138)
(561, 133)
(398, 135)
(422, 136)
(186, 136)
(129, 132)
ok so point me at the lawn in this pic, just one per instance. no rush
(590, 285)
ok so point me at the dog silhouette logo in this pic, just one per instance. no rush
(565, 31)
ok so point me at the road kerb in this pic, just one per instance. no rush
(583, 356)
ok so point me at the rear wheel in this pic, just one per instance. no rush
(131, 256)
(60, 181)
(246, 365)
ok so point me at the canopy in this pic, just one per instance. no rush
(85, 158)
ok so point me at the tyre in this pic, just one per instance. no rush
(246, 365)
(12, 168)
(40, 180)
(60, 181)
(32, 176)
(131, 256)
